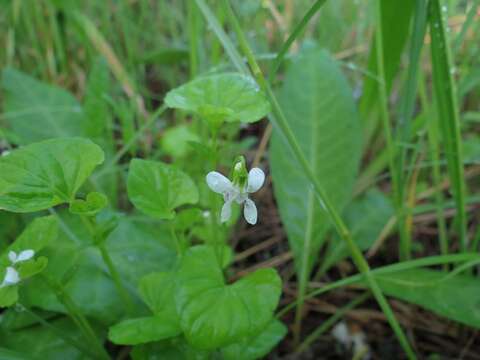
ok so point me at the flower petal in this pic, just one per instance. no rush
(25, 255)
(218, 183)
(11, 277)
(12, 256)
(250, 212)
(256, 178)
(226, 211)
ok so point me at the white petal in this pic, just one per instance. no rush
(25, 255)
(12, 256)
(11, 277)
(218, 183)
(226, 211)
(250, 212)
(256, 178)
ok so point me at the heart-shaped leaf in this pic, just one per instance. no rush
(157, 189)
(158, 291)
(144, 330)
(258, 345)
(222, 97)
(44, 174)
(214, 314)
(91, 206)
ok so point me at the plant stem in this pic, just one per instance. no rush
(405, 240)
(281, 123)
(432, 132)
(67, 339)
(77, 317)
(91, 226)
(401, 266)
(116, 278)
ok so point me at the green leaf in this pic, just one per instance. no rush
(455, 297)
(222, 97)
(256, 346)
(136, 249)
(43, 342)
(144, 330)
(320, 108)
(27, 269)
(394, 40)
(157, 189)
(44, 174)
(91, 206)
(35, 237)
(158, 291)
(38, 234)
(171, 349)
(214, 314)
(365, 217)
(8, 294)
(176, 140)
(32, 267)
(37, 111)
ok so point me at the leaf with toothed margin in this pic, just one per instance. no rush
(44, 174)
(223, 97)
(214, 314)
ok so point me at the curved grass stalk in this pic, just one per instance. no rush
(472, 258)
(293, 36)
(279, 120)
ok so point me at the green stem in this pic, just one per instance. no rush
(77, 317)
(91, 225)
(401, 266)
(432, 132)
(448, 113)
(405, 241)
(114, 274)
(60, 333)
(178, 246)
(281, 123)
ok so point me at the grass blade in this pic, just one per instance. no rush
(293, 36)
(447, 112)
(281, 123)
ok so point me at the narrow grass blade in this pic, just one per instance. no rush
(281, 123)
(447, 111)
(293, 36)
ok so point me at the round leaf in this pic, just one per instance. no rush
(213, 314)
(91, 206)
(44, 174)
(144, 330)
(157, 189)
(224, 97)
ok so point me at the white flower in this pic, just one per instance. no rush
(233, 192)
(11, 277)
(22, 256)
